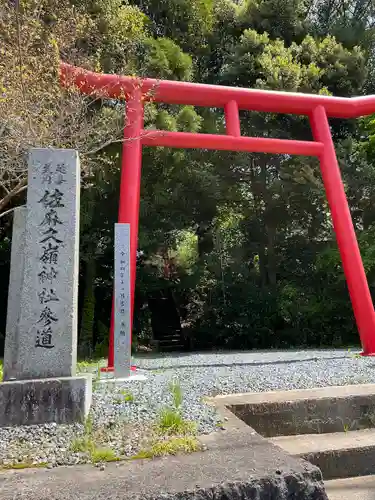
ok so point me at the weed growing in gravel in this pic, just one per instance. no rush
(87, 367)
(170, 420)
(103, 455)
(95, 383)
(354, 355)
(177, 394)
(171, 446)
(89, 425)
(186, 444)
(348, 426)
(124, 397)
(24, 465)
(128, 396)
(88, 444)
(82, 445)
(370, 415)
(1, 370)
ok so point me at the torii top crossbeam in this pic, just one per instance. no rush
(318, 108)
(198, 94)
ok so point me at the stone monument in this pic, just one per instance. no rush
(122, 340)
(17, 259)
(41, 339)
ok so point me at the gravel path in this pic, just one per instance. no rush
(125, 409)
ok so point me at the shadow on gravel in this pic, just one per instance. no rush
(250, 363)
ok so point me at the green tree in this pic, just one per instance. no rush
(247, 238)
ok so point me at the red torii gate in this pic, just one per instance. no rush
(318, 108)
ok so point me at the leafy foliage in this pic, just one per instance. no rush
(242, 244)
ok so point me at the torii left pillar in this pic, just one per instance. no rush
(130, 187)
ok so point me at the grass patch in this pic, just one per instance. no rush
(89, 425)
(124, 396)
(171, 433)
(127, 395)
(90, 443)
(172, 422)
(24, 465)
(171, 446)
(97, 454)
(103, 455)
(354, 355)
(177, 394)
(1, 370)
(82, 445)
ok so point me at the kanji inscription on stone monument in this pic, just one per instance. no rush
(122, 341)
(50, 242)
(48, 325)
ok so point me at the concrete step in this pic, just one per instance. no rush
(171, 340)
(355, 488)
(306, 411)
(338, 454)
(175, 347)
(170, 336)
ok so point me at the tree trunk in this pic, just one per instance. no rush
(257, 190)
(86, 337)
(271, 256)
(263, 266)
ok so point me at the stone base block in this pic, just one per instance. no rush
(28, 402)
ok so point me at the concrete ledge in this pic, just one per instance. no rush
(345, 463)
(61, 400)
(342, 454)
(305, 411)
(330, 427)
(337, 391)
(238, 465)
(359, 488)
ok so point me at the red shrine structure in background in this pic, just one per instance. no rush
(317, 108)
